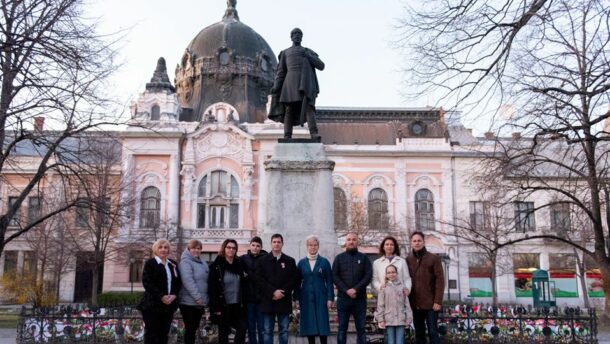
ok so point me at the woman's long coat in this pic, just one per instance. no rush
(315, 290)
(154, 279)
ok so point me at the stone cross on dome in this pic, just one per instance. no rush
(231, 12)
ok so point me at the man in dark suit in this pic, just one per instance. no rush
(277, 276)
(296, 85)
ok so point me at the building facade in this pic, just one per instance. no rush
(192, 166)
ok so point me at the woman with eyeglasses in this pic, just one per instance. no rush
(226, 287)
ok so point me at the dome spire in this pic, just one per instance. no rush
(160, 80)
(231, 12)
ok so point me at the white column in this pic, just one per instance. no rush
(544, 261)
(128, 193)
(401, 195)
(174, 197)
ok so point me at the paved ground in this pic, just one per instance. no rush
(603, 337)
(7, 336)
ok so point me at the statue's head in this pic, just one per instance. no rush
(296, 35)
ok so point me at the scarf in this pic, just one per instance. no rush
(419, 254)
(312, 260)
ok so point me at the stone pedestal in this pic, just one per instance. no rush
(300, 198)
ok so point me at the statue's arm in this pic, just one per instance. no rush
(280, 75)
(314, 59)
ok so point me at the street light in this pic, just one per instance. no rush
(447, 260)
(132, 261)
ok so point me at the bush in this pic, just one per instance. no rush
(26, 288)
(453, 303)
(119, 298)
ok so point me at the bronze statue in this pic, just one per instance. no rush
(296, 87)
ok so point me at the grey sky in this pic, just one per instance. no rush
(353, 37)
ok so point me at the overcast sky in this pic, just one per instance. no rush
(353, 37)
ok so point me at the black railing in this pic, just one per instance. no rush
(508, 324)
(465, 324)
(77, 323)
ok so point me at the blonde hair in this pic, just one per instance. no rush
(158, 243)
(194, 243)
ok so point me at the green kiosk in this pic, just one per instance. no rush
(543, 289)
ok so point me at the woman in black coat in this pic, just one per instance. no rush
(226, 287)
(161, 280)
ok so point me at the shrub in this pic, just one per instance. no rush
(119, 298)
(26, 288)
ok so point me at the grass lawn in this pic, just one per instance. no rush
(8, 320)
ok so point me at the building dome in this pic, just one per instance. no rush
(226, 62)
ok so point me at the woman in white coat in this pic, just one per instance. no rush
(390, 255)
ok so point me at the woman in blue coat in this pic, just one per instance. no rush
(315, 293)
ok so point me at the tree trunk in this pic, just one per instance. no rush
(494, 282)
(94, 280)
(94, 287)
(582, 277)
(57, 283)
(605, 271)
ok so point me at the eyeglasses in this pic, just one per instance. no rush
(231, 247)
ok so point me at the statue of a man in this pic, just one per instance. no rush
(296, 86)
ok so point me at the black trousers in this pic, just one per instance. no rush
(423, 319)
(156, 326)
(191, 315)
(233, 316)
(293, 115)
(312, 339)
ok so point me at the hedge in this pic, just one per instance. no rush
(119, 298)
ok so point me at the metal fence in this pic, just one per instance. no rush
(509, 324)
(461, 324)
(78, 323)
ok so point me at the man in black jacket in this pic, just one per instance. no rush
(352, 272)
(255, 317)
(277, 276)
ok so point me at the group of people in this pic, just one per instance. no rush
(251, 293)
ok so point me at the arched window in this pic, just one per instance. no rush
(340, 203)
(378, 209)
(155, 113)
(150, 207)
(218, 201)
(424, 210)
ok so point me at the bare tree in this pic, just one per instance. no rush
(550, 61)
(54, 251)
(371, 225)
(98, 211)
(53, 66)
(486, 229)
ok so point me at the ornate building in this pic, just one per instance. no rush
(193, 159)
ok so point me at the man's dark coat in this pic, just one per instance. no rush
(296, 78)
(273, 274)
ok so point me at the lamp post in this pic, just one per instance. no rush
(132, 260)
(447, 260)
